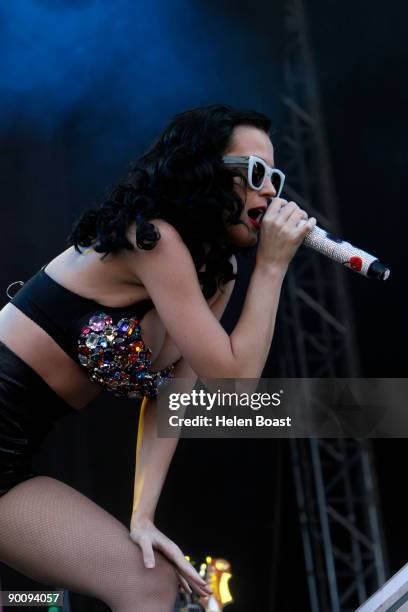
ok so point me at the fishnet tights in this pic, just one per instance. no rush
(53, 534)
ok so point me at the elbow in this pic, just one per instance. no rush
(223, 369)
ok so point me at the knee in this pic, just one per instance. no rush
(130, 580)
(161, 581)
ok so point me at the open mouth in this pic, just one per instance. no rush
(255, 215)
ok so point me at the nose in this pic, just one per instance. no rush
(268, 188)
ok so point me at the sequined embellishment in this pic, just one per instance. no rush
(118, 359)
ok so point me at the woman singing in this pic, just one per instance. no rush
(146, 277)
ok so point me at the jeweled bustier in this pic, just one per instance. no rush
(107, 341)
(118, 359)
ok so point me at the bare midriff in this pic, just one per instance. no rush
(39, 351)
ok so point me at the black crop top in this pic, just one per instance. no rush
(106, 340)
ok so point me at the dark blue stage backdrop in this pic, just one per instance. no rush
(85, 85)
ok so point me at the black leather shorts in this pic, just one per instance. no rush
(28, 410)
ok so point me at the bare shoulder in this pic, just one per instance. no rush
(168, 253)
(170, 257)
(166, 230)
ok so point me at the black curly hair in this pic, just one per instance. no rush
(181, 179)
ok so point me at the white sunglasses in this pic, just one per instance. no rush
(258, 171)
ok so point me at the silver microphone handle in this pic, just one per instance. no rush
(346, 254)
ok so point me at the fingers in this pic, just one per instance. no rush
(282, 210)
(199, 586)
(188, 570)
(187, 574)
(289, 214)
(173, 552)
(291, 209)
(184, 584)
(201, 590)
(276, 206)
(306, 226)
(147, 551)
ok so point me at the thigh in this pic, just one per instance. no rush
(55, 535)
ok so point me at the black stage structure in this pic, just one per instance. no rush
(335, 479)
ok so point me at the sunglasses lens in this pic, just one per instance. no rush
(276, 181)
(258, 174)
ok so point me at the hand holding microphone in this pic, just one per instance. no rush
(284, 226)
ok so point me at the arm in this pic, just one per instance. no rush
(169, 275)
(153, 457)
(150, 475)
(169, 352)
(154, 454)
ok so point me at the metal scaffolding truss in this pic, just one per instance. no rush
(335, 490)
(334, 479)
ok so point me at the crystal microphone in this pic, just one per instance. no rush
(345, 253)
